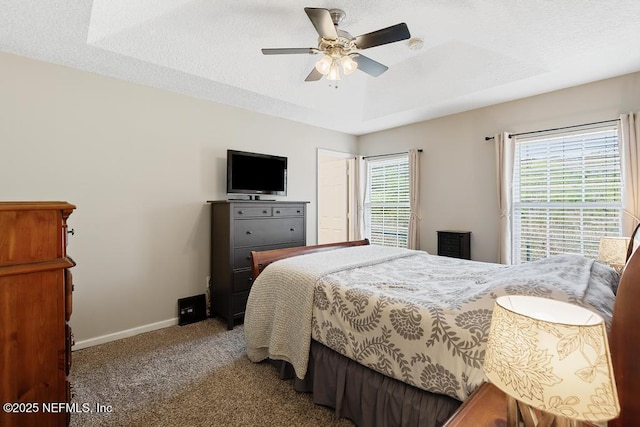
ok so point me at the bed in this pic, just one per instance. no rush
(391, 336)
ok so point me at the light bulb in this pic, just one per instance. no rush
(324, 65)
(334, 72)
(348, 65)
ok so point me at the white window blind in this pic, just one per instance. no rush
(386, 206)
(566, 193)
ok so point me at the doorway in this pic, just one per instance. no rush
(335, 196)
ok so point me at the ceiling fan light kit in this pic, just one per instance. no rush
(340, 51)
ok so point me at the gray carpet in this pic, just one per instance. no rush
(192, 375)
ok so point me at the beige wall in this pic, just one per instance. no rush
(140, 164)
(458, 189)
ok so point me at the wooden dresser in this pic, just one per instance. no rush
(237, 228)
(35, 306)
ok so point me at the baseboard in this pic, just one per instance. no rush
(124, 334)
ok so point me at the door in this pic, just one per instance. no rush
(333, 196)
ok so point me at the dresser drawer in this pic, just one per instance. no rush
(242, 280)
(288, 211)
(68, 344)
(239, 303)
(68, 291)
(251, 211)
(257, 232)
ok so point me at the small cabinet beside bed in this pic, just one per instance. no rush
(237, 228)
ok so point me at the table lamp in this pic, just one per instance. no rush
(552, 360)
(613, 251)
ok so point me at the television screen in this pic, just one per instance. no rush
(254, 173)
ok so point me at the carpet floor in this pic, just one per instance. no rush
(192, 375)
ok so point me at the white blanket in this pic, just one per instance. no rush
(277, 321)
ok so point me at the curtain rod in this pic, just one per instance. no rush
(489, 138)
(390, 154)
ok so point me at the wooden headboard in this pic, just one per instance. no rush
(624, 339)
(259, 260)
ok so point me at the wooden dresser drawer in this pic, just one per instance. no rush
(257, 232)
(68, 343)
(288, 211)
(239, 303)
(251, 211)
(68, 291)
(30, 236)
(242, 280)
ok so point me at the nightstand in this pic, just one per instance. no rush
(486, 407)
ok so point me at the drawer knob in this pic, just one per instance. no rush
(292, 229)
(264, 212)
(249, 232)
(248, 258)
(298, 211)
(72, 232)
(277, 211)
(250, 279)
(240, 212)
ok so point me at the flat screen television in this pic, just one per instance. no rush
(254, 173)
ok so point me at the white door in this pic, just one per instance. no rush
(333, 196)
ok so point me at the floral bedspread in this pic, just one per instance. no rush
(424, 319)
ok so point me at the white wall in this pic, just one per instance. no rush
(140, 164)
(458, 189)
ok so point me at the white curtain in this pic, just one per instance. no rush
(505, 151)
(413, 239)
(628, 138)
(360, 185)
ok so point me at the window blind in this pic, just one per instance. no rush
(567, 193)
(387, 203)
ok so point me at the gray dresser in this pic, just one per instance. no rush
(237, 228)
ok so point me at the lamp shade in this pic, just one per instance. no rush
(613, 250)
(553, 356)
(324, 64)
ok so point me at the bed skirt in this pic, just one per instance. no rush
(364, 396)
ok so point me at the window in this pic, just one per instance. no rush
(567, 193)
(386, 207)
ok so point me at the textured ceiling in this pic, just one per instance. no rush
(475, 52)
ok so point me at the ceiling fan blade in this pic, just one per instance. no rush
(369, 66)
(392, 34)
(289, 50)
(321, 20)
(313, 76)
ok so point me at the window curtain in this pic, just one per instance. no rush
(628, 138)
(505, 150)
(360, 185)
(413, 239)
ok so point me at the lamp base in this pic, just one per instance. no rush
(520, 414)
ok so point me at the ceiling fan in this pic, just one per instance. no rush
(341, 51)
